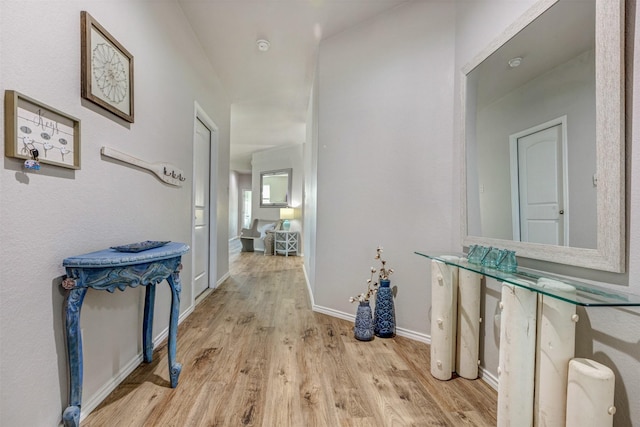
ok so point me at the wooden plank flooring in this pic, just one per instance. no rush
(254, 354)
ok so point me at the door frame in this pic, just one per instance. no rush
(515, 189)
(201, 115)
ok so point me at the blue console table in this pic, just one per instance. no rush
(107, 270)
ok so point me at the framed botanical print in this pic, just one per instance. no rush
(36, 132)
(107, 69)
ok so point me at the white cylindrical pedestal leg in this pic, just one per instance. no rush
(468, 330)
(590, 394)
(516, 368)
(454, 271)
(554, 349)
(444, 281)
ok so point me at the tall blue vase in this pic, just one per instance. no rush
(363, 329)
(384, 320)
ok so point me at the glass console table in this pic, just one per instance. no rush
(537, 339)
(586, 295)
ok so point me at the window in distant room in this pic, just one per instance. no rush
(246, 208)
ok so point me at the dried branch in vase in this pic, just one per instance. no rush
(384, 271)
(372, 287)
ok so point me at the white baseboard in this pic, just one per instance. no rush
(413, 335)
(333, 313)
(93, 401)
(489, 378)
(165, 332)
(403, 332)
(485, 375)
(223, 278)
(309, 290)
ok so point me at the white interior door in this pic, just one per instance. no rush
(541, 186)
(202, 182)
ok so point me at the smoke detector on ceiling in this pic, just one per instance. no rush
(263, 45)
(515, 62)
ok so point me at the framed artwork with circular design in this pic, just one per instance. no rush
(107, 69)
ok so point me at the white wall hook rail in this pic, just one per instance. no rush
(166, 172)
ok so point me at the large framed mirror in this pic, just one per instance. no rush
(543, 137)
(275, 188)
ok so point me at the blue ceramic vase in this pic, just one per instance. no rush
(363, 329)
(384, 320)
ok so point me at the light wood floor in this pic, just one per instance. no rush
(254, 354)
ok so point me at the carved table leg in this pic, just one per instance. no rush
(174, 367)
(147, 323)
(72, 306)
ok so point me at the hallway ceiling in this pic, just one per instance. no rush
(270, 91)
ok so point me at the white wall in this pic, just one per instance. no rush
(385, 132)
(607, 335)
(55, 213)
(278, 158)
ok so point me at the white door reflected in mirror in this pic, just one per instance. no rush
(540, 187)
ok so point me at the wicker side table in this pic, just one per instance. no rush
(268, 243)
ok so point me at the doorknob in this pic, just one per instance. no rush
(561, 211)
